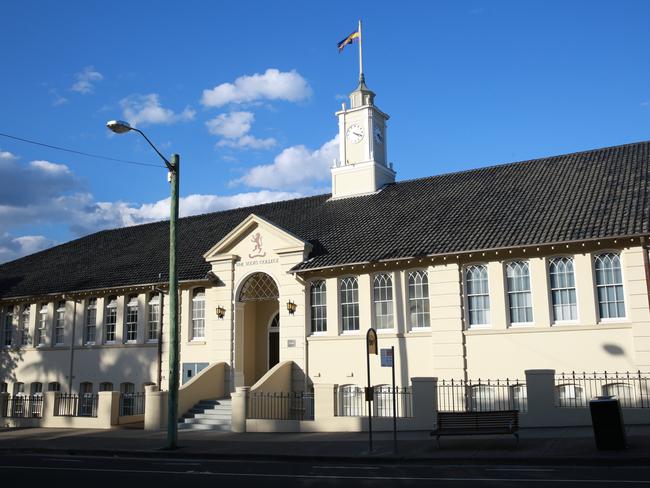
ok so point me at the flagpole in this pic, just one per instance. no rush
(360, 54)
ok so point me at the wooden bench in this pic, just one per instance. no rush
(477, 423)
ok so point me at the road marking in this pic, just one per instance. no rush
(345, 467)
(518, 469)
(62, 459)
(365, 478)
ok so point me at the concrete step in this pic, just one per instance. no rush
(221, 428)
(207, 421)
(208, 414)
(207, 410)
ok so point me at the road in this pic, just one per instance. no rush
(69, 470)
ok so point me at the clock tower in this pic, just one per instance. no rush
(363, 166)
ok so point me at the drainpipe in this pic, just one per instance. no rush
(646, 266)
(160, 336)
(74, 326)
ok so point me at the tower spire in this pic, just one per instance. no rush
(361, 77)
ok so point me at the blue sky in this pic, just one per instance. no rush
(246, 93)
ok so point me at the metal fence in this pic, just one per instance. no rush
(84, 405)
(131, 404)
(351, 401)
(482, 395)
(281, 406)
(22, 406)
(574, 390)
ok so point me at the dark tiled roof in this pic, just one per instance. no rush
(588, 195)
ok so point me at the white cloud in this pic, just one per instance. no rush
(85, 80)
(146, 109)
(294, 167)
(58, 100)
(272, 85)
(7, 156)
(52, 168)
(232, 125)
(248, 141)
(15, 247)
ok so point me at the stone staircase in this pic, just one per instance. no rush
(208, 415)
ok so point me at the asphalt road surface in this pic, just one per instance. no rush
(68, 470)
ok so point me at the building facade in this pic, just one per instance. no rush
(479, 274)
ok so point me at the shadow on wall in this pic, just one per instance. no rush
(614, 350)
(9, 360)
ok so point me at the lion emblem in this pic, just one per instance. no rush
(257, 252)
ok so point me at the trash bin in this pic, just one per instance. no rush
(607, 421)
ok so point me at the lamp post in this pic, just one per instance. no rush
(121, 127)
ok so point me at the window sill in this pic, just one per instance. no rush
(350, 332)
(197, 342)
(386, 331)
(480, 327)
(521, 325)
(560, 329)
(415, 330)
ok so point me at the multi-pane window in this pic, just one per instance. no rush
(8, 328)
(39, 340)
(350, 303)
(418, 296)
(563, 289)
(110, 319)
(24, 326)
(91, 321)
(609, 286)
(520, 300)
(478, 295)
(36, 388)
(382, 294)
(106, 386)
(318, 304)
(153, 317)
(59, 323)
(131, 324)
(198, 314)
(54, 386)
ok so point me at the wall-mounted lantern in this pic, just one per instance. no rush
(291, 307)
(221, 312)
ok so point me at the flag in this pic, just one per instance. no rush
(348, 40)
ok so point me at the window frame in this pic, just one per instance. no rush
(110, 328)
(342, 304)
(322, 306)
(131, 326)
(391, 277)
(90, 306)
(59, 320)
(194, 320)
(153, 302)
(508, 293)
(407, 295)
(594, 258)
(25, 315)
(549, 262)
(466, 297)
(40, 330)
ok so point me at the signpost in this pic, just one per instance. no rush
(371, 348)
(388, 361)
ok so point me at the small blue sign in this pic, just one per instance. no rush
(386, 358)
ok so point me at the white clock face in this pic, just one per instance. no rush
(355, 133)
(379, 136)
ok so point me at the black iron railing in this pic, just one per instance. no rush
(281, 406)
(574, 390)
(482, 395)
(131, 404)
(351, 401)
(84, 405)
(22, 406)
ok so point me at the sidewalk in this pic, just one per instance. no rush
(536, 446)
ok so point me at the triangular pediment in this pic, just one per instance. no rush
(256, 237)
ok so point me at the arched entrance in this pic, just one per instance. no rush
(257, 342)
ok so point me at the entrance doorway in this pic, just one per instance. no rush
(257, 329)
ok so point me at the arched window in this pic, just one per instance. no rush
(519, 398)
(106, 386)
(418, 296)
(350, 303)
(570, 395)
(36, 388)
(563, 289)
(87, 405)
(609, 286)
(318, 304)
(483, 398)
(128, 388)
(153, 317)
(54, 386)
(110, 319)
(382, 294)
(3, 387)
(478, 295)
(519, 296)
(198, 314)
(91, 321)
(19, 388)
(350, 401)
(623, 392)
(131, 324)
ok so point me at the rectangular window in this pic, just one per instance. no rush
(350, 303)
(131, 324)
(519, 295)
(39, 340)
(609, 286)
(198, 314)
(153, 317)
(24, 326)
(478, 295)
(59, 324)
(91, 321)
(8, 328)
(110, 319)
(563, 289)
(318, 303)
(382, 294)
(418, 296)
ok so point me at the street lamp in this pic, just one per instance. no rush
(121, 127)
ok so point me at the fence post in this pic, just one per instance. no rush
(239, 404)
(540, 393)
(108, 408)
(324, 407)
(425, 402)
(4, 404)
(49, 402)
(155, 408)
